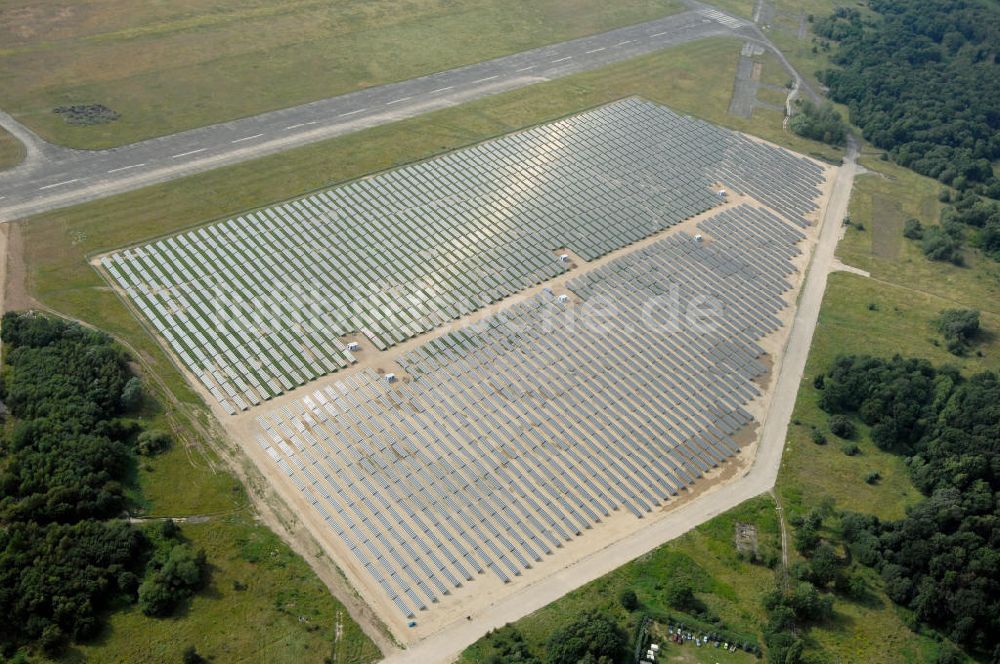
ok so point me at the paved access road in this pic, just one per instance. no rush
(52, 177)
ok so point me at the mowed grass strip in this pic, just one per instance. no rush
(11, 151)
(166, 67)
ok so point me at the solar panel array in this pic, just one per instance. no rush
(512, 437)
(261, 303)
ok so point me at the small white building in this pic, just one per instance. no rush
(563, 258)
(390, 378)
(353, 346)
(563, 299)
(698, 238)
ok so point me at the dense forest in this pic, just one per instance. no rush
(942, 560)
(920, 79)
(69, 445)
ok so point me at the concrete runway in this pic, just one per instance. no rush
(52, 177)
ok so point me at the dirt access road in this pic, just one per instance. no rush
(447, 644)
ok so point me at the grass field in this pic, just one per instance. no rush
(695, 78)
(11, 151)
(165, 67)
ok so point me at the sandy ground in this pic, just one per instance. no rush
(473, 602)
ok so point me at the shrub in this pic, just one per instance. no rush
(132, 394)
(841, 426)
(680, 595)
(629, 600)
(818, 436)
(873, 477)
(191, 656)
(152, 442)
(958, 327)
(913, 229)
(592, 636)
(179, 576)
(851, 449)
(940, 246)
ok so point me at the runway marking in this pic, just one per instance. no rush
(658, 34)
(433, 92)
(344, 115)
(246, 138)
(527, 68)
(396, 101)
(622, 43)
(301, 124)
(488, 78)
(59, 184)
(184, 154)
(598, 50)
(568, 57)
(125, 168)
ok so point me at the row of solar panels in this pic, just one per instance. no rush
(257, 305)
(515, 435)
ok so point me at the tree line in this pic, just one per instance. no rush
(64, 465)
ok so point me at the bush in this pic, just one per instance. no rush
(628, 600)
(913, 229)
(806, 539)
(177, 578)
(191, 656)
(131, 398)
(873, 477)
(680, 595)
(851, 449)
(959, 327)
(152, 442)
(841, 426)
(818, 436)
(591, 637)
(940, 246)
